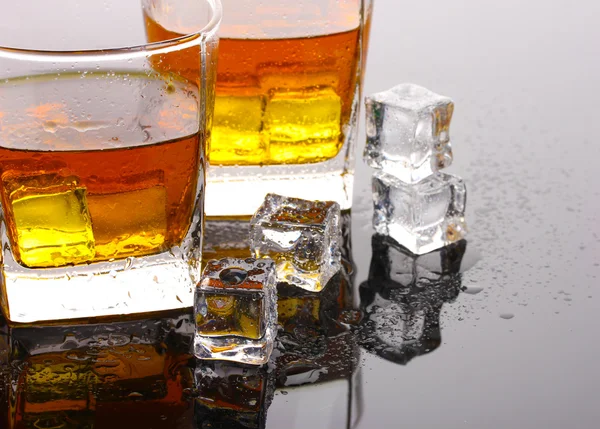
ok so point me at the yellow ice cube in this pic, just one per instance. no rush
(236, 133)
(131, 223)
(303, 125)
(53, 229)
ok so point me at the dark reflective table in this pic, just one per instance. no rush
(496, 331)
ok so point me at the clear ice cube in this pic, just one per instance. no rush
(235, 311)
(407, 132)
(303, 237)
(421, 217)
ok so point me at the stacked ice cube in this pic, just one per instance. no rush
(408, 143)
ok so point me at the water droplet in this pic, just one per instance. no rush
(50, 126)
(506, 316)
(473, 290)
(128, 263)
(170, 88)
(203, 310)
(350, 317)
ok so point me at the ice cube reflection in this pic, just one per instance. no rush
(403, 298)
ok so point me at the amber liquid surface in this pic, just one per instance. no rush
(115, 179)
(279, 100)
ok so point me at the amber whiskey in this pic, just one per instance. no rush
(278, 101)
(112, 180)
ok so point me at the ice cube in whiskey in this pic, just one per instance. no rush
(235, 309)
(52, 221)
(309, 118)
(303, 237)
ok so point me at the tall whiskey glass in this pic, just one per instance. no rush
(102, 156)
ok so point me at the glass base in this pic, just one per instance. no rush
(243, 195)
(133, 285)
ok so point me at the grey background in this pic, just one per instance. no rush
(525, 78)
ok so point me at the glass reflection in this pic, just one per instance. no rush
(315, 357)
(403, 298)
(225, 238)
(119, 375)
(141, 373)
(232, 396)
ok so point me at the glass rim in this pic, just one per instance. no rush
(130, 52)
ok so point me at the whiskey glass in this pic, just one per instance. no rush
(102, 156)
(287, 102)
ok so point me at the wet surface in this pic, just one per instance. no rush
(494, 332)
(516, 346)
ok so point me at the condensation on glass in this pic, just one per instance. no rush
(102, 157)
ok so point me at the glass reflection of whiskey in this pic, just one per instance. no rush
(105, 382)
(232, 396)
(279, 101)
